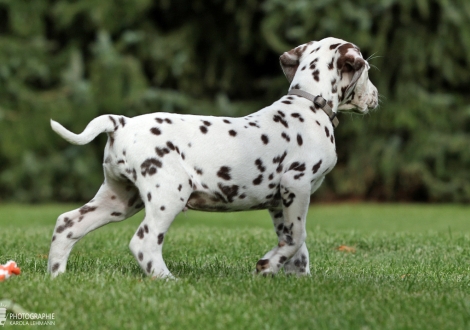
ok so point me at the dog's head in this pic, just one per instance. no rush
(334, 69)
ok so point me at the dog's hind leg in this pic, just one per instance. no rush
(115, 201)
(163, 202)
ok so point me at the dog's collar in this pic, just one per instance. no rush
(319, 102)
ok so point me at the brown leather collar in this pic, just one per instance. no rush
(318, 101)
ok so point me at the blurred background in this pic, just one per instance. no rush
(73, 60)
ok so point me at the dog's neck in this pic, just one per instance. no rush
(326, 88)
(319, 102)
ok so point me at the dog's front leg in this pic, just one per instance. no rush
(295, 196)
(299, 263)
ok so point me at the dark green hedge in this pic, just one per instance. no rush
(73, 60)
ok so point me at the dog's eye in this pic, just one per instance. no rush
(348, 68)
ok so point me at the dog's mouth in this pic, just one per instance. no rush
(361, 104)
(354, 108)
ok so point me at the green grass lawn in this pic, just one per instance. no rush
(411, 270)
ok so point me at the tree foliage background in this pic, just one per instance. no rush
(73, 60)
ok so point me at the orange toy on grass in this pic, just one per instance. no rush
(9, 269)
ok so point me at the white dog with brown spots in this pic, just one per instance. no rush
(166, 162)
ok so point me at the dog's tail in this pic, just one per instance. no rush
(101, 124)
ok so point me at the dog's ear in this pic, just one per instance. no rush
(351, 62)
(290, 63)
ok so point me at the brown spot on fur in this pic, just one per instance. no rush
(230, 191)
(316, 167)
(155, 131)
(296, 166)
(170, 145)
(224, 173)
(149, 166)
(259, 165)
(114, 122)
(280, 159)
(122, 121)
(262, 264)
(85, 209)
(265, 139)
(334, 46)
(161, 151)
(279, 119)
(258, 180)
(331, 65)
(285, 136)
(60, 229)
(316, 75)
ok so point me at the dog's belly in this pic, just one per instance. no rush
(203, 201)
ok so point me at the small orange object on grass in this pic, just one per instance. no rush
(8, 270)
(345, 248)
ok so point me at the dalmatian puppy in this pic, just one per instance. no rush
(273, 159)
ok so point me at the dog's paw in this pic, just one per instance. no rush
(166, 276)
(264, 268)
(297, 273)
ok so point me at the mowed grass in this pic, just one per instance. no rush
(411, 270)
